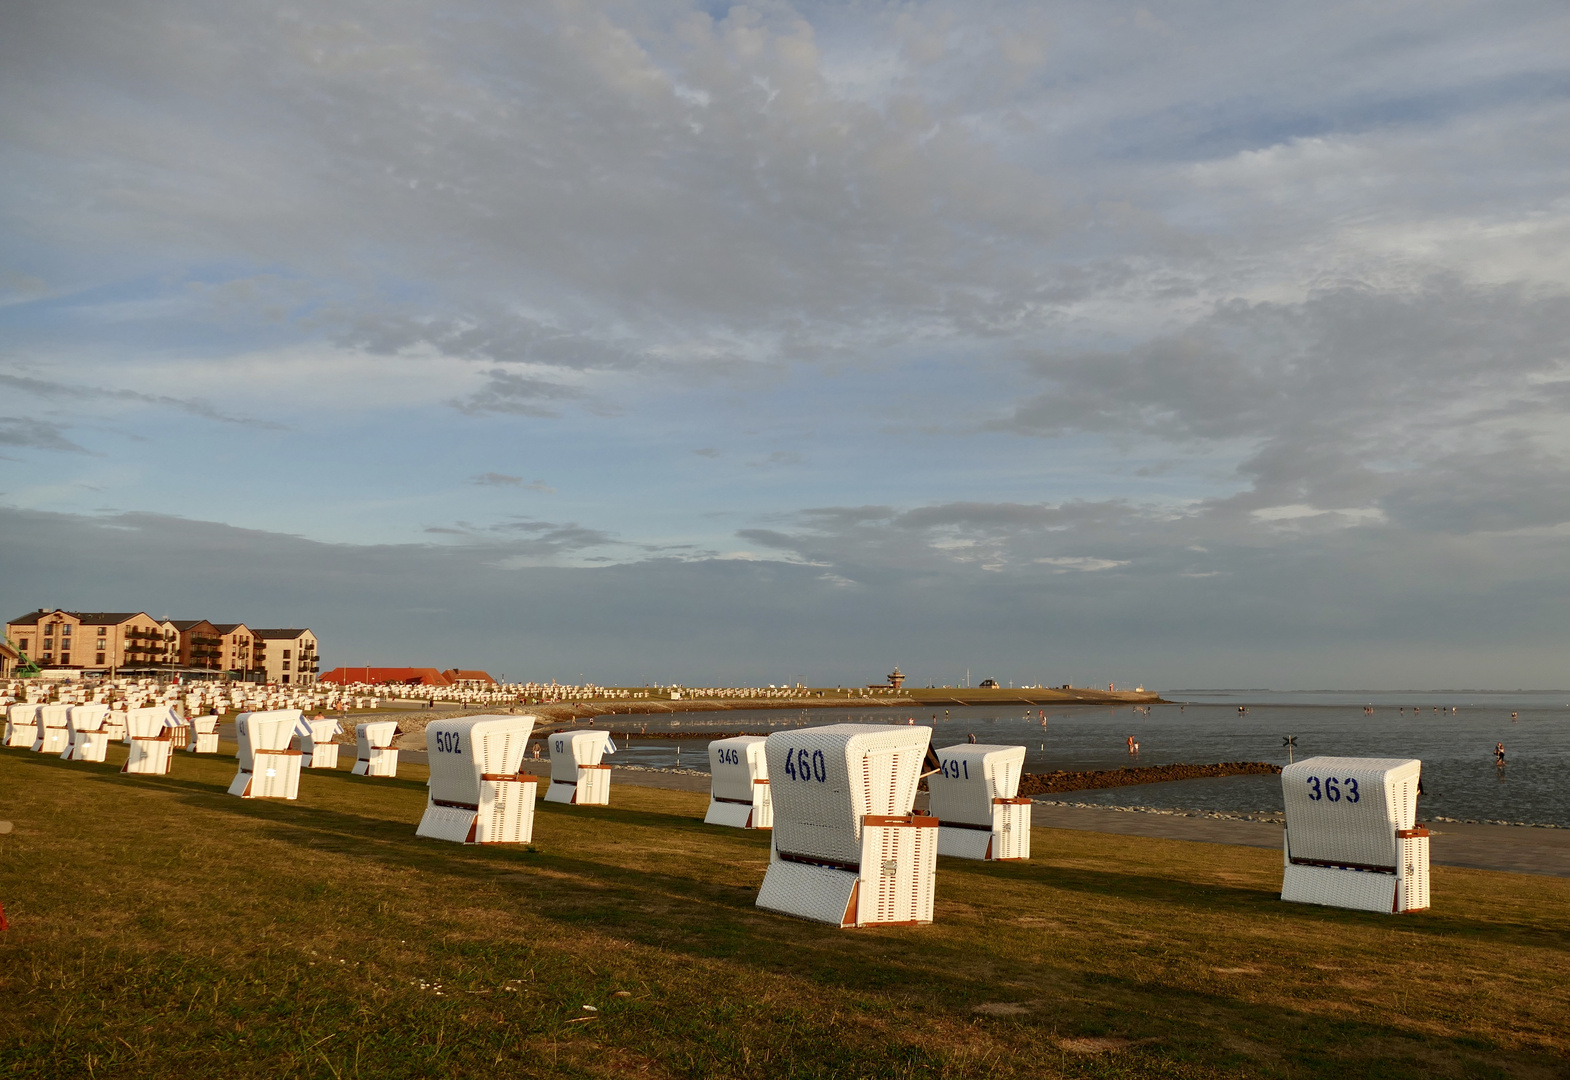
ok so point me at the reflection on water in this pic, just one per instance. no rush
(1460, 779)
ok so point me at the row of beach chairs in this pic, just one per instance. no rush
(847, 847)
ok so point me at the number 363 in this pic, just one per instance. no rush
(1332, 790)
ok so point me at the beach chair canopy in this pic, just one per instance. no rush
(464, 750)
(824, 781)
(1346, 811)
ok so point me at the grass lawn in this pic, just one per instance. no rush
(161, 928)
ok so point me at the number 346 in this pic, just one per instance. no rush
(1332, 789)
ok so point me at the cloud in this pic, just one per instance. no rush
(1288, 606)
(35, 434)
(1225, 325)
(777, 459)
(1082, 563)
(492, 479)
(515, 394)
(194, 406)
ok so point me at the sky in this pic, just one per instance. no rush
(1188, 345)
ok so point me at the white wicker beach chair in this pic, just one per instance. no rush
(1351, 837)
(577, 777)
(846, 848)
(269, 766)
(88, 740)
(204, 734)
(53, 734)
(975, 796)
(739, 789)
(314, 738)
(375, 754)
(21, 725)
(476, 794)
(147, 732)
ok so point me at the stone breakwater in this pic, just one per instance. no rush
(1055, 782)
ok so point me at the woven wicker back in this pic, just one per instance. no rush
(823, 781)
(462, 751)
(1347, 810)
(735, 763)
(570, 749)
(972, 775)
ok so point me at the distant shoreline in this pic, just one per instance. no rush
(944, 697)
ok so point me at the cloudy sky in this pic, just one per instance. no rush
(1192, 344)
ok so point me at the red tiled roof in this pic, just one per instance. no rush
(406, 675)
(460, 675)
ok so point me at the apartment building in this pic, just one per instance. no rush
(234, 648)
(94, 639)
(288, 656)
(120, 640)
(201, 645)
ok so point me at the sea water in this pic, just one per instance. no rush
(1456, 743)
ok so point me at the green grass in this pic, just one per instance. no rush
(161, 928)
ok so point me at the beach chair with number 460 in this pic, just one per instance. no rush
(847, 850)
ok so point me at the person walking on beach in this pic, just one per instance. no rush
(1499, 754)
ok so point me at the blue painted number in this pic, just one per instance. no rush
(1331, 790)
(799, 765)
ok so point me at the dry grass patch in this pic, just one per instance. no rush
(162, 928)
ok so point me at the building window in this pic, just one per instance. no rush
(65, 658)
(286, 665)
(102, 631)
(286, 678)
(100, 659)
(286, 654)
(65, 631)
(22, 643)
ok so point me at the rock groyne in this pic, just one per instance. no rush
(1055, 782)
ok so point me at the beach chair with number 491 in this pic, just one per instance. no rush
(975, 796)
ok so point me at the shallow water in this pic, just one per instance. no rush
(1460, 779)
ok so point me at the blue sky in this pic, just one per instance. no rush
(1192, 344)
